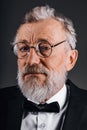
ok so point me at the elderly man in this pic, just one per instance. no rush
(45, 47)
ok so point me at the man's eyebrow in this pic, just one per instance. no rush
(23, 41)
(44, 39)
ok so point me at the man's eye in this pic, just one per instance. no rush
(44, 48)
(24, 49)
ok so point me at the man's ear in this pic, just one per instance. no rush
(71, 59)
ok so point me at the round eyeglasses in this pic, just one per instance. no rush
(42, 48)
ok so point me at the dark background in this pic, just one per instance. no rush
(11, 15)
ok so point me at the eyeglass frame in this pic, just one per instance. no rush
(35, 47)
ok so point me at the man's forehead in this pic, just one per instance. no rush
(45, 24)
(48, 27)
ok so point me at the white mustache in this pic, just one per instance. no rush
(35, 69)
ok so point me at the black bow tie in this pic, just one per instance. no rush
(32, 107)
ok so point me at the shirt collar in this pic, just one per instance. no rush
(59, 97)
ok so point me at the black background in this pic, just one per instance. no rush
(11, 15)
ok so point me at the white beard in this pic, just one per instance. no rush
(37, 92)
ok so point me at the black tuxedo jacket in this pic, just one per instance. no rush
(11, 109)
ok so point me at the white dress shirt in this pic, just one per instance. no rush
(46, 120)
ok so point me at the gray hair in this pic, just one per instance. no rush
(44, 12)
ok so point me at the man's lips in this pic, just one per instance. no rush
(34, 74)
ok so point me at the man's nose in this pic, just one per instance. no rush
(33, 58)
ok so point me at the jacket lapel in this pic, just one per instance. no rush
(15, 110)
(73, 116)
(75, 110)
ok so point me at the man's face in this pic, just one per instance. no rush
(40, 78)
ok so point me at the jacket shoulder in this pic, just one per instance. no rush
(9, 92)
(77, 93)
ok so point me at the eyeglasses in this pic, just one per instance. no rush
(43, 48)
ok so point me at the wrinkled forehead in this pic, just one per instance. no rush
(49, 29)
